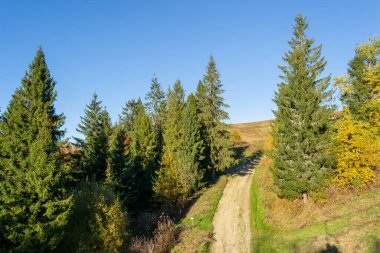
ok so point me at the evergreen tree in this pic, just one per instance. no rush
(34, 207)
(166, 184)
(301, 130)
(360, 91)
(213, 115)
(173, 135)
(192, 150)
(107, 123)
(156, 109)
(201, 102)
(94, 146)
(128, 115)
(141, 154)
(117, 161)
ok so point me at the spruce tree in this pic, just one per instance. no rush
(156, 109)
(213, 115)
(107, 123)
(34, 207)
(117, 161)
(94, 146)
(192, 151)
(166, 184)
(141, 154)
(366, 55)
(201, 102)
(128, 115)
(173, 135)
(302, 128)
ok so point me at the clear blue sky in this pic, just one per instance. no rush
(114, 47)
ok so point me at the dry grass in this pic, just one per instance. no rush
(164, 238)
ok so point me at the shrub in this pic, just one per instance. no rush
(99, 222)
(357, 151)
(164, 238)
(235, 136)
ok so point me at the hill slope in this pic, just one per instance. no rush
(254, 133)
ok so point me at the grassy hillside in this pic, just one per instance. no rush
(348, 222)
(253, 134)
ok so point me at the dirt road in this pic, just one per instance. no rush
(232, 219)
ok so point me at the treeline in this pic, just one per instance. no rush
(159, 152)
(313, 145)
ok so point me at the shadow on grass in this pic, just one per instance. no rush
(330, 249)
(377, 246)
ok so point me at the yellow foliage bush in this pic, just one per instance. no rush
(235, 136)
(109, 225)
(357, 150)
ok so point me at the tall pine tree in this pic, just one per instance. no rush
(141, 158)
(301, 130)
(34, 207)
(167, 181)
(117, 160)
(219, 155)
(94, 147)
(156, 109)
(173, 135)
(191, 153)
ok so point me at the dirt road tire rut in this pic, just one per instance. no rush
(231, 222)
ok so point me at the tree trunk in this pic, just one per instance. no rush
(213, 174)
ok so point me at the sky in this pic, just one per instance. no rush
(114, 48)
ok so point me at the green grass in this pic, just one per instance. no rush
(197, 228)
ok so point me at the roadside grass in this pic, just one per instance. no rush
(196, 228)
(348, 222)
